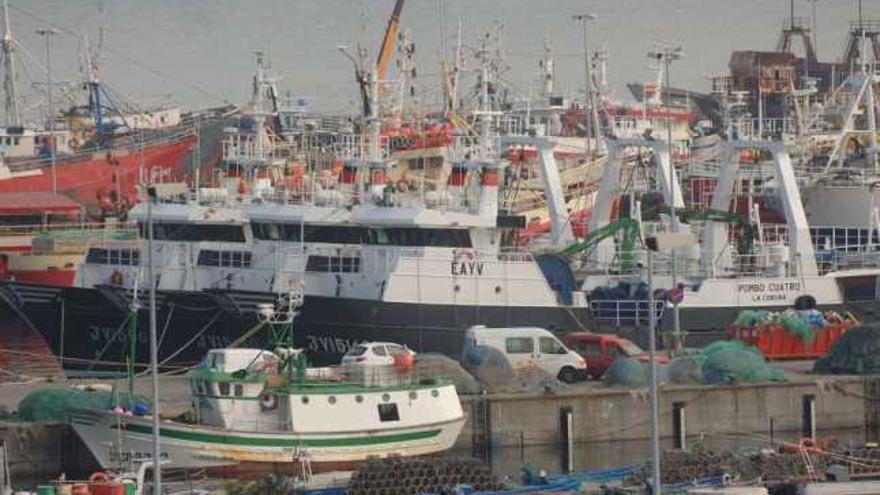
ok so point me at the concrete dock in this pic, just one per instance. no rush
(590, 413)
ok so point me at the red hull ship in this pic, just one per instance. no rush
(90, 176)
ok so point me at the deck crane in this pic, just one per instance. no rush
(629, 232)
(388, 41)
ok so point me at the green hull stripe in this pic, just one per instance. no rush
(284, 442)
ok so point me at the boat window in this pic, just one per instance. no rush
(388, 412)
(224, 388)
(335, 264)
(519, 345)
(549, 345)
(235, 259)
(192, 232)
(355, 235)
(103, 256)
(238, 390)
(379, 350)
(420, 237)
(335, 235)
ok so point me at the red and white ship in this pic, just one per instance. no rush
(90, 176)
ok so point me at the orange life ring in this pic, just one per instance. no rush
(99, 477)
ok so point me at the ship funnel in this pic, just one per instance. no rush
(489, 189)
(456, 182)
(348, 180)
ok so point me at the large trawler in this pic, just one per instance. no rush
(377, 262)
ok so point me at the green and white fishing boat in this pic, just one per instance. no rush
(260, 406)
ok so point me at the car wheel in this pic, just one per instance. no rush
(568, 375)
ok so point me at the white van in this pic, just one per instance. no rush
(531, 347)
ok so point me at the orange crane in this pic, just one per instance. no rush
(388, 41)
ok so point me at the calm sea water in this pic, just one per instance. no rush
(198, 52)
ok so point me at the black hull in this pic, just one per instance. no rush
(88, 327)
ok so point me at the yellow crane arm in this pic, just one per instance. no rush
(388, 41)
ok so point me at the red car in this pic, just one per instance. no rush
(601, 349)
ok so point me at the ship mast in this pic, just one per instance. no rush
(11, 107)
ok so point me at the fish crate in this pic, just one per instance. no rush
(777, 343)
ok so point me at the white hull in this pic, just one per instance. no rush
(197, 446)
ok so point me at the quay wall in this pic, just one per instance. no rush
(40, 450)
(614, 414)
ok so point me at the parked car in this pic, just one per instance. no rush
(601, 349)
(375, 353)
(531, 347)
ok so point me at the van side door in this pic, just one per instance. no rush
(520, 352)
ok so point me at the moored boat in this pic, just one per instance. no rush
(259, 406)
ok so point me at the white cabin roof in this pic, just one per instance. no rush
(172, 212)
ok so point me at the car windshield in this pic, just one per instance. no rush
(357, 351)
(630, 349)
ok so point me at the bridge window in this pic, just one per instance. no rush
(333, 264)
(336, 234)
(235, 259)
(190, 232)
(102, 256)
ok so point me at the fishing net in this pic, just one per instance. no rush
(856, 352)
(633, 372)
(734, 362)
(686, 369)
(439, 366)
(748, 317)
(798, 327)
(53, 404)
(496, 374)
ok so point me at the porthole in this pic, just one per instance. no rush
(435, 393)
(358, 398)
(413, 395)
(305, 399)
(331, 399)
(386, 397)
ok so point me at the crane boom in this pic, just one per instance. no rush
(629, 230)
(388, 41)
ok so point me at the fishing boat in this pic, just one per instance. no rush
(91, 153)
(260, 406)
